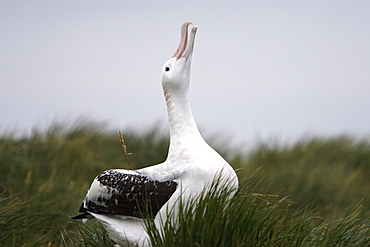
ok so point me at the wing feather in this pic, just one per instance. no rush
(127, 194)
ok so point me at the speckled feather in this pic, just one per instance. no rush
(126, 195)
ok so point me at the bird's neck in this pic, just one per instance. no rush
(184, 133)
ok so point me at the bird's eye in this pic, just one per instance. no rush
(167, 68)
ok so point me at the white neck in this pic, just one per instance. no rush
(184, 133)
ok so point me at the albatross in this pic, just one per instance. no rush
(116, 197)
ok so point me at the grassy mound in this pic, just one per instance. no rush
(44, 177)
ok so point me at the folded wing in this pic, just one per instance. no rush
(126, 193)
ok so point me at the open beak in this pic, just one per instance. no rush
(185, 48)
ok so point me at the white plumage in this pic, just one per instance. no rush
(115, 196)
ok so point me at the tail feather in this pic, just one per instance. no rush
(84, 215)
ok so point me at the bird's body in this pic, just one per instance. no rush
(115, 196)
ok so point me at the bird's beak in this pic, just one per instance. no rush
(185, 48)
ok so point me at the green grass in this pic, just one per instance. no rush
(333, 173)
(251, 219)
(312, 193)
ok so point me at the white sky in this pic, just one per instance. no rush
(260, 69)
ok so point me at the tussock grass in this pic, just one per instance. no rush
(250, 219)
(333, 173)
(312, 193)
(89, 234)
(27, 222)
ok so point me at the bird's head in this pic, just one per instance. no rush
(176, 71)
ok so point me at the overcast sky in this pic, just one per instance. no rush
(260, 70)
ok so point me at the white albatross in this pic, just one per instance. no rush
(115, 196)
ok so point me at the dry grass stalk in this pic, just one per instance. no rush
(124, 149)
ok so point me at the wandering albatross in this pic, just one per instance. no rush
(116, 196)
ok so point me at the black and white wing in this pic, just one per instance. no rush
(126, 193)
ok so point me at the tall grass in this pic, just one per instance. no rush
(44, 177)
(250, 219)
(331, 172)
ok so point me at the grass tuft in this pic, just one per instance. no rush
(251, 219)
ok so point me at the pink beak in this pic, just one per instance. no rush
(185, 48)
